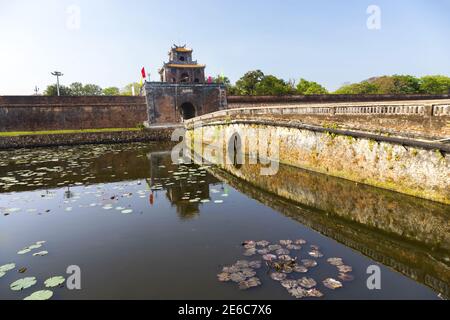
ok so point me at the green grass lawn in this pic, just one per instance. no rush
(27, 133)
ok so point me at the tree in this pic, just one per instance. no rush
(305, 87)
(92, 90)
(272, 86)
(396, 84)
(127, 91)
(364, 87)
(76, 89)
(247, 84)
(435, 84)
(111, 91)
(52, 90)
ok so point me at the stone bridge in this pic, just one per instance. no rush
(400, 145)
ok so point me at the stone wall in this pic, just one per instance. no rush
(50, 140)
(37, 113)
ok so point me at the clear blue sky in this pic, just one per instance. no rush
(324, 41)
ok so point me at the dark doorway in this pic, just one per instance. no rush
(187, 111)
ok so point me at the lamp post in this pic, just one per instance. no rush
(57, 74)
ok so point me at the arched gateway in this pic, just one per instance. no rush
(187, 111)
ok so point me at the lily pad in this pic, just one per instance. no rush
(309, 263)
(335, 261)
(332, 283)
(344, 269)
(282, 252)
(40, 295)
(263, 243)
(285, 242)
(237, 277)
(23, 283)
(224, 277)
(314, 293)
(299, 241)
(7, 267)
(127, 211)
(307, 283)
(278, 276)
(315, 254)
(54, 281)
(289, 283)
(300, 269)
(23, 251)
(35, 246)
(346, 277)
(40, 253)
(298, 292)
(269, 257)
(250, 283)
(255, 264)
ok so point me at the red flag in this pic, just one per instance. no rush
(144, 75)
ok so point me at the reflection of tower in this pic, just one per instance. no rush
(162, 178)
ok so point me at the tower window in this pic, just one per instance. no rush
(182, 58)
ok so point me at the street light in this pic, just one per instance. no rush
(57, 74)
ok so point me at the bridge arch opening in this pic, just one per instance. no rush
(187, 110)
(235, 152)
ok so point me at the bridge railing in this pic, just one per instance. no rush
(421, 109)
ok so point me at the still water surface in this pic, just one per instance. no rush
(140, 227)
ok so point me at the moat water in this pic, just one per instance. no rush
(140, 227)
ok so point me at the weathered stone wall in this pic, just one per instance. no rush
(36, 113)
(409, 167)
(49, 140)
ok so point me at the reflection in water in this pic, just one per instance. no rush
(409, 234)
(69, 196)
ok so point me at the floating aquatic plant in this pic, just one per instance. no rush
(7, 267)
(40, 295)
(307, 283)
(40, 253)
(332, 283)
(54, 281)
(23, 283)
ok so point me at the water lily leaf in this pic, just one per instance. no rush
(307, 283)
(255, 264)
(35, 246)
(7, 267)
(23, 251)
(40, 253)
(300, 269)
(335, 261)
(23, 283)
(224, 277)
(218, 201)
(282, 252)
(237, 277)
(262, 243)
(2, 273)
(344, 269)
(127, 211)
(332, 283)
(40, 295)
(298, 292)
(309, 263)
(274, 247)
(263, 251)
(285, 242)
(314, 293)
(285, 257)
(250, 283)
(299, 241)
(278, 276)
(23, 270)
(249, 252)
(315, 254)
(54, 281)
(289, 283)
(293, 247)
(346, 277)
(269, 257)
